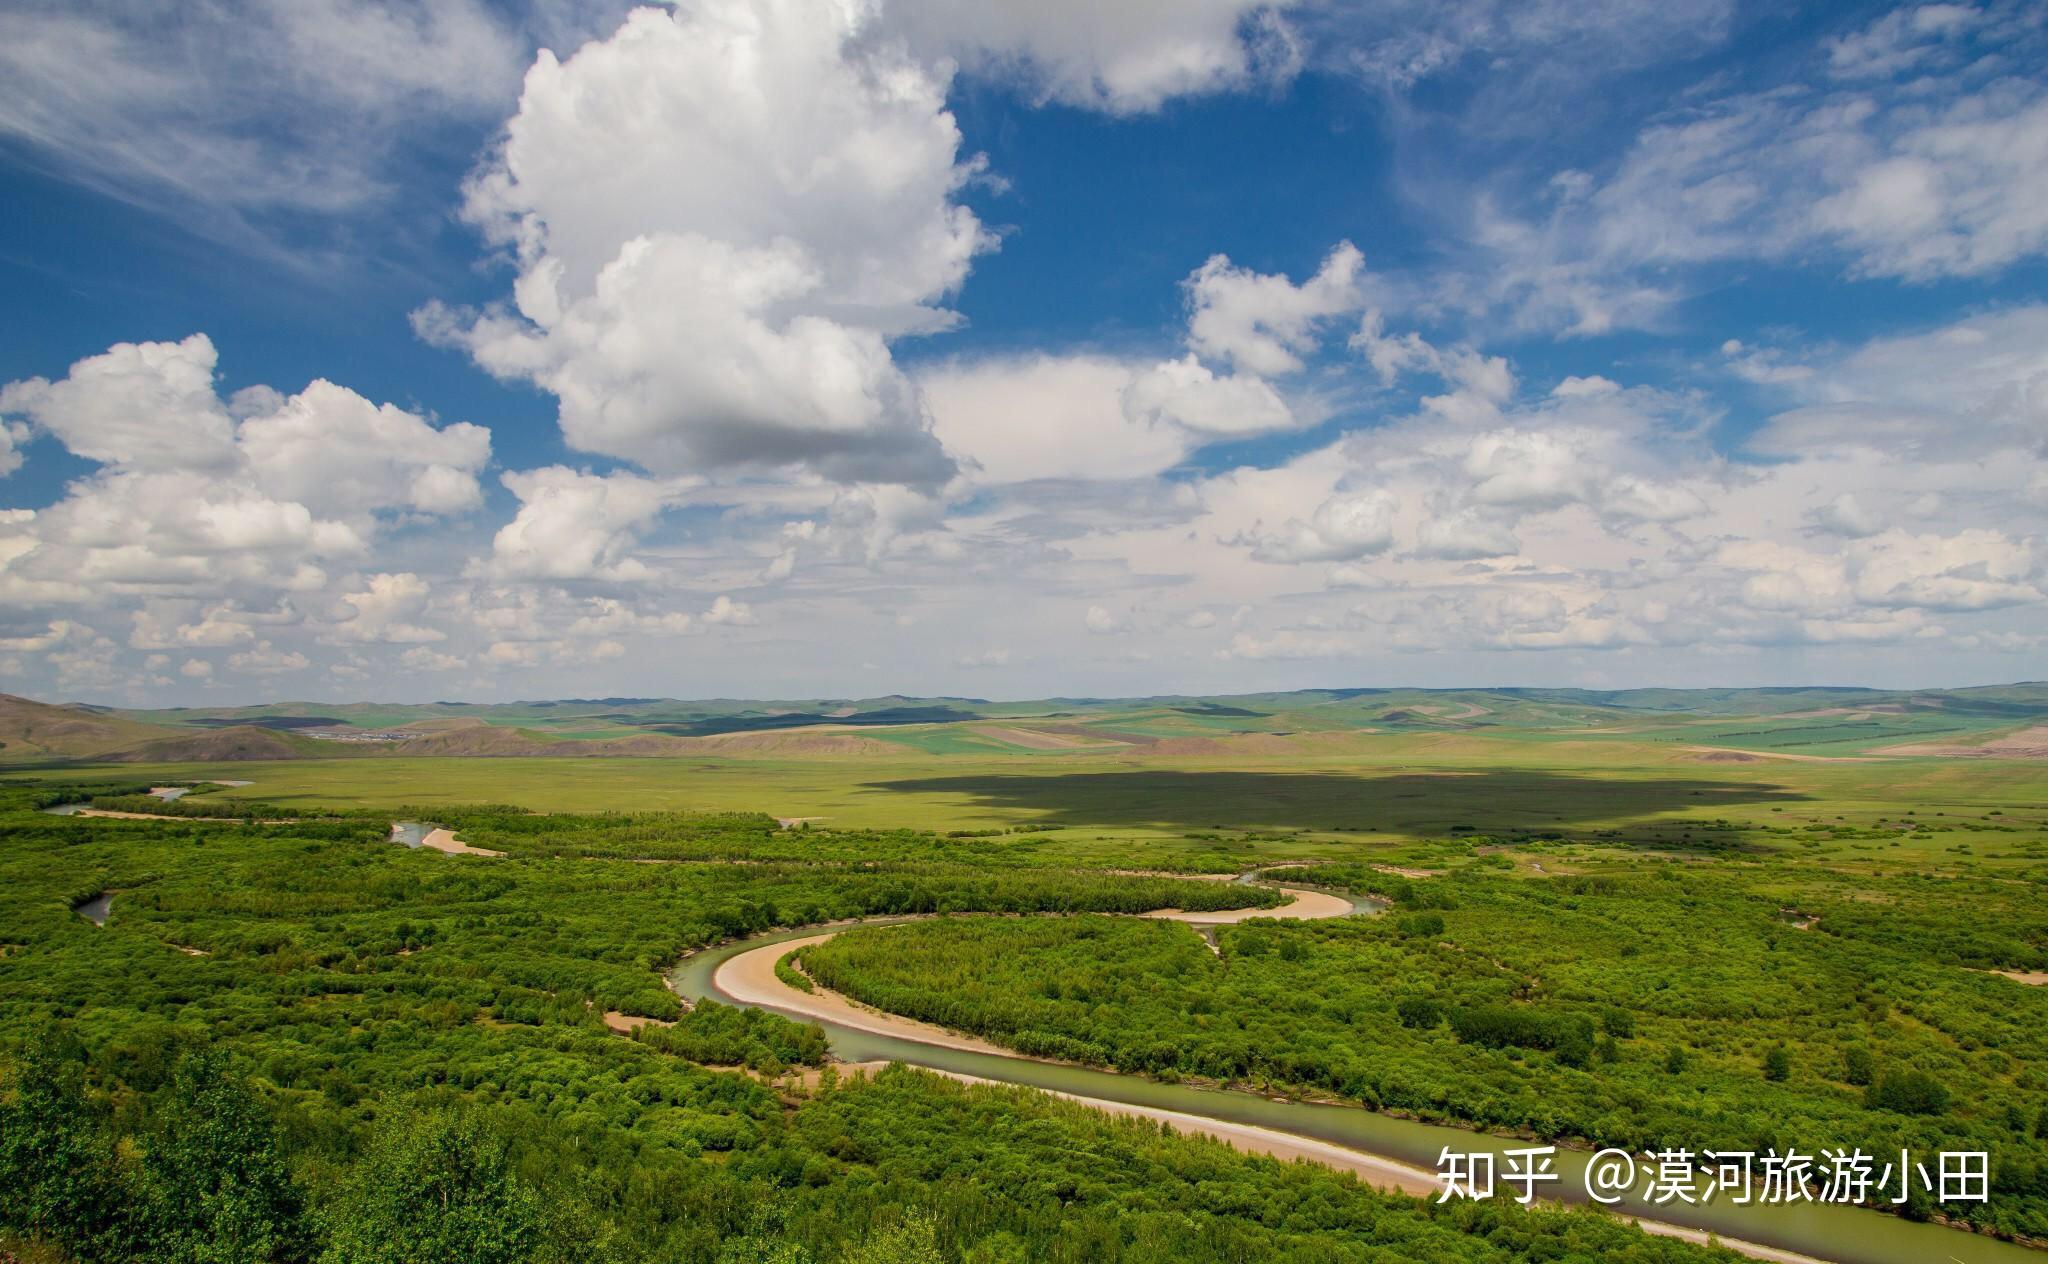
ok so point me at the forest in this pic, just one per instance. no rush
(1632, 1003)
(295, 1041)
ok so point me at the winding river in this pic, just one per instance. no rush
(1383, 1149)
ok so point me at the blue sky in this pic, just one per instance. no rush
(812, 347)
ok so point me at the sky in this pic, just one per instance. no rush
(444, 349)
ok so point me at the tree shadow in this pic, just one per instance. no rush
(1413, 803)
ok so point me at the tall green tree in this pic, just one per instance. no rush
(435, 1188)
(58, 1178)
(1777, 1063)
(912, 1240)
(217, 1190)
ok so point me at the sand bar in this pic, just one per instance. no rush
(1302, 906)
(445, 840)
(749, 978)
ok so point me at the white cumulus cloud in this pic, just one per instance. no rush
(722, 215)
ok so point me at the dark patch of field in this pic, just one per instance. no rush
(798, 719)
(282, 722)
(1417, 804)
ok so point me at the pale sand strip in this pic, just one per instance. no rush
(1399, 872)
(2029, 743)
(1252, 1139)
(749, 978)
(1700, 1237)
(1371, 1168)
(445, 840)
(111, 815)
(1788, 755)
(1041, 739)
(1302, 905)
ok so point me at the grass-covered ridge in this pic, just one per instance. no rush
(1815, 721)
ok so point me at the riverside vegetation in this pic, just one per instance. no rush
(299, 1041)
(1736, 997)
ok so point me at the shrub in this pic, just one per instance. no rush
(1421, 925)
(1908, 1093)
(1419, 1012)
(1570, 1036)
(437, 1188)
(1777, 1064)
(785, 970)
(725, 1035)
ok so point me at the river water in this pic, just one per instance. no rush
(1846, 1234)
(96, 910)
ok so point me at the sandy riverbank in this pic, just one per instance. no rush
(445, 840)
(1252, 1139)
(1301, 905)
(109, 814)
(1371, 1168)
(749, 978)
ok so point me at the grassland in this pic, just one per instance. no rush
(301, 1041)
(1383, 788)
(1587, 859)
(1824, 722)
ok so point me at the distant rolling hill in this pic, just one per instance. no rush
(40, 730)
(1792, 721)
(236, 744)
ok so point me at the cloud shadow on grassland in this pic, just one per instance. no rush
(1413, 803)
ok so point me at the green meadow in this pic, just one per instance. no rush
(1383, 787)
(1640, 927)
